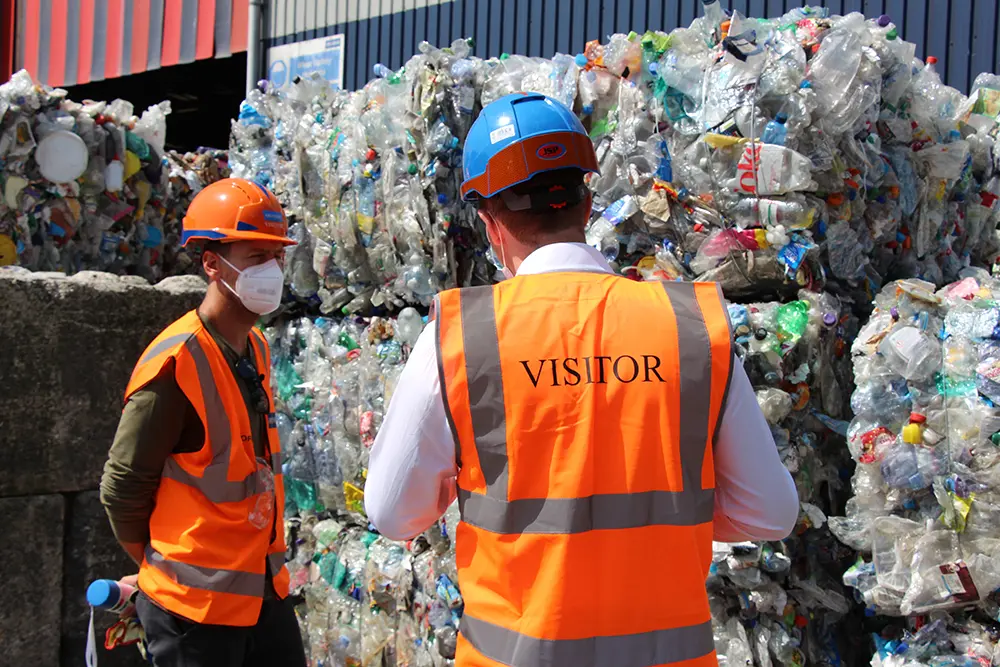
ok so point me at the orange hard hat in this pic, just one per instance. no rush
(235, 209)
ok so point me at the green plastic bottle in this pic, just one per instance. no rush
(792, 319)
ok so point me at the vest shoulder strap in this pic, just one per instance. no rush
(261, 348)
(162, 350)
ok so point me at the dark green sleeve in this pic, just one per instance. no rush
(153, 425)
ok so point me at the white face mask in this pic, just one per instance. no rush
(501, 262)
(258, 287)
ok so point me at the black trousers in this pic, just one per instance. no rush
(173, 641)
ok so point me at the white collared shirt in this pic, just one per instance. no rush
(412, 471)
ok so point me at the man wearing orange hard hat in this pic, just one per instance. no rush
(193, 484)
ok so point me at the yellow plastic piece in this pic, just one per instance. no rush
(355, 497)
(8, 251)
(722, 140)
(132, 164)
(913, 434)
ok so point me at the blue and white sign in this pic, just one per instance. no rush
(324, 55)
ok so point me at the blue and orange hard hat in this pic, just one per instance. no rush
(235, 209)
(518, 137)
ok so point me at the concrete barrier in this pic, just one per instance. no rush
(67, 348)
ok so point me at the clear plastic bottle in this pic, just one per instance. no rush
(792, 212)
(768, 169)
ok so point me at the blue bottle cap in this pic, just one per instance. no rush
(581, 60)
(103, 593)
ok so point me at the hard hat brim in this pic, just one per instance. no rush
(229, 236)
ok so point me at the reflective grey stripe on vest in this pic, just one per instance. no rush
(214, 482)
(693, 345)
(206, 578)
(482, 362)
(164, 345)
(214, 485)
(275, 562)
(493, 511)
(276, 462)
(610, 511)
(644, 649)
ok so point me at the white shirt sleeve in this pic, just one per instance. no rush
(412, 469)
(755, 496)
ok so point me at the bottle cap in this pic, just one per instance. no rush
(932, 60)
(884, 20)
(760, 333)
(917, 418)
(103, 593)
(829, 319)
(782, 117)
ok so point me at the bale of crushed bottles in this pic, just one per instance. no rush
(368, 600)
(926, 501)
(783, 602)
(805, 151)
(89, 186)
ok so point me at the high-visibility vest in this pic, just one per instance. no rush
(584, 407)
(205, 560)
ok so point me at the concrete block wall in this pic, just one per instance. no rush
(67, 348)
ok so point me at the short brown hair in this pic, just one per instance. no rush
(214, 246)
(528, 225)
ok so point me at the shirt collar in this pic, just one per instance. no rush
(570, 257)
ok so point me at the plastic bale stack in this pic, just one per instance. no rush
(88, 186)
(368, 600)
(924, 512)
(783, 603)
(800, 161)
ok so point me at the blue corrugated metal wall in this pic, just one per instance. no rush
(961, 33)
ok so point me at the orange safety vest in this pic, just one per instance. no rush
(584, 407)
(205, 559)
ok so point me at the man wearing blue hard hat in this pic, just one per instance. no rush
(598, 432)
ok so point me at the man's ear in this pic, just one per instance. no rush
(211, 265)
(492, 229)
